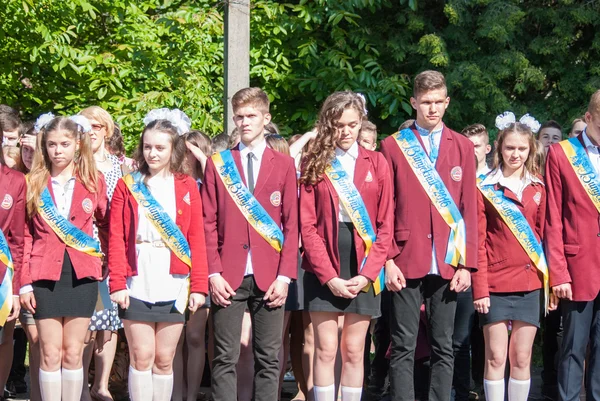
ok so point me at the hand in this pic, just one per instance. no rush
(339, 288)
(28, 140)
(276, 294)
(357, 283)
(394, 279)
(121, 298)
(197, 299)
(563, 291)
(28, 302)
(553, 302)
(15, 307)
(196, 151)
(461, 281)
(220, 291)
(482, 305)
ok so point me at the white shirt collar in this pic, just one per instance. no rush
(353, 151)
(496, 177)
(588, 143)
(258, 150)
(424, 131)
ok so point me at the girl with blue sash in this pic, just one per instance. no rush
(346, 213)
(157, 254)
(62, 261)
(507, 287)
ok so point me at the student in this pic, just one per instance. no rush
(343, 187)
(577, 127)
(61, 269)
(157, 254)
(253, 255)
(477, 133)
(511, 263)
(367, 137)
(434, 261)
(572, 237)
(12, 224)
(550, 133)
(11, 123)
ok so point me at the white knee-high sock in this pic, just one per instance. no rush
(351, 393)
(50, 385)
(162, 386)
(72, 384)
(140, 384)
(518, 390)
(326, 393)
(494, 389)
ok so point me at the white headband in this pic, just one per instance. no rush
(507, 118)
(43, 120)
(176, 117)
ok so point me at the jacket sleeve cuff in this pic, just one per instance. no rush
(25, 289)
(285, 279)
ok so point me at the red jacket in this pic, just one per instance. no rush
(122, 255)
(13, 191)
(503, 264)
(44, 257)
(319, 208)
(572, 230)
(228, 234)
(416, 219)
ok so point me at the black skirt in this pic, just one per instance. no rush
(147, 312)
(295, 299)
(319, 298)
(517, 306)
(67, 297)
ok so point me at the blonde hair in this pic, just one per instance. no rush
(14, 153)
(594, 105)
(99, 114)
(85, 168)
(522, 129)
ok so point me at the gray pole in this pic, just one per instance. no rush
(237, 54)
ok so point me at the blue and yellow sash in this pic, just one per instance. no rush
(162, 222)
(519, 226)
(433, 185)
(251, 209)
(6, 292)
(580, 161)
(356, 209)
(64, 229)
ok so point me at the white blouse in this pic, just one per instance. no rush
(348, 161)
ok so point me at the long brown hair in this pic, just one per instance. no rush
(530, 165)
(85, 168)
(178, 148)
(322, 149)
(203, 142)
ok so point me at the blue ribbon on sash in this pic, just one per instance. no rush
(6, 293)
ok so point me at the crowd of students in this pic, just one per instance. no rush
(264, 248)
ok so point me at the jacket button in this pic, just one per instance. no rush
(245, 246)
(179, 212)
(527, 266)
(429, 236)
(73, 218)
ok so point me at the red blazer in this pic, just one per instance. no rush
(319, 208)
(44, 257)
(228, 234)
(572, 230)
(502, 263)
(13, 190)
(417, 220)
(122, 255)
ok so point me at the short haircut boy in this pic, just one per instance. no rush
(427, 81)
(254, 97)
(368, 128)
(477, 130)
(594, 105)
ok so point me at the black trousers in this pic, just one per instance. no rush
(380, 365)
(440, 305)
(461, 342)
(581, 325)
(267, 326)
(552, 333)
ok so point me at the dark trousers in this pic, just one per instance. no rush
(440, 305)
(380, 365)
(551, 341)
(18, 370)
(267, 326)
(477, 352)
(461, 342)
(581, 324)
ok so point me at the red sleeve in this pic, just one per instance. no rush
(393, 250)
(117, 258)
(480, 276)
(101, 214)
(288, 261)
(17, 233)
(210, 210)
(199, 273)
(384, 222)
(553, 230)
(540, 221)
(25, 273)
(468, 207)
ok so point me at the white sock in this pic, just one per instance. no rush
(351, 393)
(494, 390)
(50, 385)
(162, 387)
(140, 384)
(518, 390)
(326, 393)
(72, 384)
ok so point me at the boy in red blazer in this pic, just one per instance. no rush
(245, 269)
(573, 251)
(419, 273)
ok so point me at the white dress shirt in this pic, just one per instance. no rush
(348, 161)
(592, 152)
(517, 186)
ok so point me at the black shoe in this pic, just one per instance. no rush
(9, 394)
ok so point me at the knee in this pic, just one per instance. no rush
(353, 352)
(163, 364)
(142, 358)
(195, 339)
(520, 359)
(496, 358)
(326, 352)
(50, 359)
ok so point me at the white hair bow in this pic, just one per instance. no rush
(176, 117)
(83, 123)
(507, 118)
(42, 121)
(364, 102)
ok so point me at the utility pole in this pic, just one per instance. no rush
(237, 54)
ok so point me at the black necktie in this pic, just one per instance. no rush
(250, 173)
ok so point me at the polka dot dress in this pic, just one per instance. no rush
(108, 319)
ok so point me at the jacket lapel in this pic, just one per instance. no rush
(361, 169)
(79, 193)
(180, 204)
(444, 150)
(237, 158)
(265, 170)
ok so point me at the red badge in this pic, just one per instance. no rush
(456, 173)
(7, 202)
(275, 198)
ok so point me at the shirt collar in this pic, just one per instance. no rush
(352, 152)
(258, 150)
(425, 132)
(588, 144)
(496, 177)
(69, 181)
